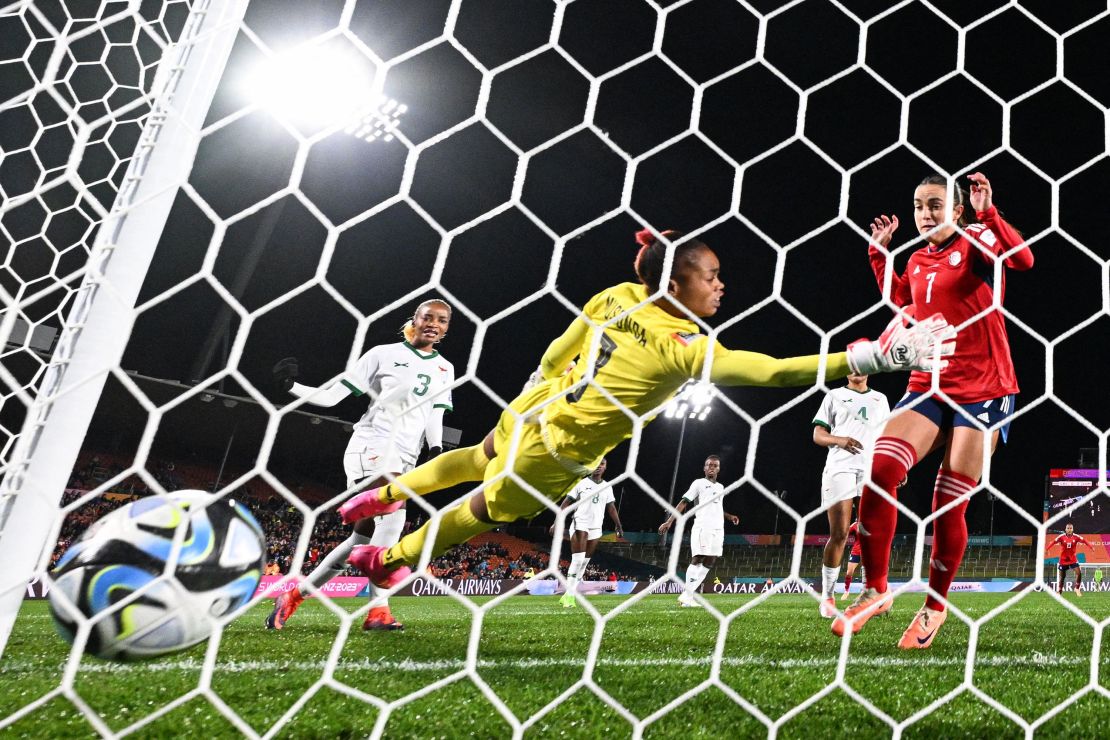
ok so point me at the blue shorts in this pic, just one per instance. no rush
(853, 558)
(978, 415)
(1064, 568)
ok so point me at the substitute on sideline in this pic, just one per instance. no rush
(847, 423)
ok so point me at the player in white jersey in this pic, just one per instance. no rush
(409, 387)
(847, 423)
(707, 536)
(594, 500)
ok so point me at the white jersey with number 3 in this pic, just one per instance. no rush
(405, 385)
(859, 415)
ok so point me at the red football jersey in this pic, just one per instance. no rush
(958, 281)
(853, 532)
(1068, 547)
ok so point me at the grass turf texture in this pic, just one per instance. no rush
(778, 654)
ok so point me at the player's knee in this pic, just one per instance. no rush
(886, 473)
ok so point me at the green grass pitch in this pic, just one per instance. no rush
(776, 655)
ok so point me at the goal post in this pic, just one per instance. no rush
(94, 335)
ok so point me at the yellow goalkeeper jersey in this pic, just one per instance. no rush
(641, 359)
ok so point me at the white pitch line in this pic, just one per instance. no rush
(417, 666)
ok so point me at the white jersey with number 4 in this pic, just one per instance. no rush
(712, 515)
(405, 384)
(859, 415)
(591, 512)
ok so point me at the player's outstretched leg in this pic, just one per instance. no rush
(369, 559)
(877, 519)
(386, 567)
(463, 465)
(284, 606)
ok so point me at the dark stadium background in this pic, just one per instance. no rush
(505, 259)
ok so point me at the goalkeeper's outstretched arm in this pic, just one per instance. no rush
(899, 347)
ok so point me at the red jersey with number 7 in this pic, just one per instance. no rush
(1069, 544)
(959, 280)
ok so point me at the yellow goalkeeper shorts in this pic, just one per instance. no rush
(533, 461)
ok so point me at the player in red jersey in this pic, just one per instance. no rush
(1069, 543)
(854, 556)
(961, 274)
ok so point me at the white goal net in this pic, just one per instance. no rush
(192, 189)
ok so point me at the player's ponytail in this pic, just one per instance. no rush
(408, 330)
(961, 196)
(653, 253)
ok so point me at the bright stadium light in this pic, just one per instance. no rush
(318, 86)
(693, 401)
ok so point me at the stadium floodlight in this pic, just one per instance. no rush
(693, 401)
(314, 87)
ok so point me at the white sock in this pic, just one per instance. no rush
(574, 572)
(692, 579)
(334, 563)
(829, 577)
(582, 568)
(387, 533)
(700, 576)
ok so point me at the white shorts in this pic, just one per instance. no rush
(840, 485)
(364, 460)
(591, 534)
(705, 541)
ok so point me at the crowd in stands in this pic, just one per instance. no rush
(493, 556)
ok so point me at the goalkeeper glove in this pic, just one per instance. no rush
(902, 347)
(285, 373)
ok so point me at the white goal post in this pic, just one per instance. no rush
(95, 333)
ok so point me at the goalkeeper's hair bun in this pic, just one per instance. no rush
(653, 253)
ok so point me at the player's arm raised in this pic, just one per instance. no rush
(982, 200)
(882, 229)
(285, 374)
(562, 351)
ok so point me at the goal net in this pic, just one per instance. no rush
(191, 190)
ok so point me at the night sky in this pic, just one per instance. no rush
(776, 226)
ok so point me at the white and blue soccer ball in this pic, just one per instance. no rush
(218, 569)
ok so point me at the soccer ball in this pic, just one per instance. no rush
(218, 568)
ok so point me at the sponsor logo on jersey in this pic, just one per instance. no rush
(917, 269)
(400, 364)
(684, 338)
(441, 368)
